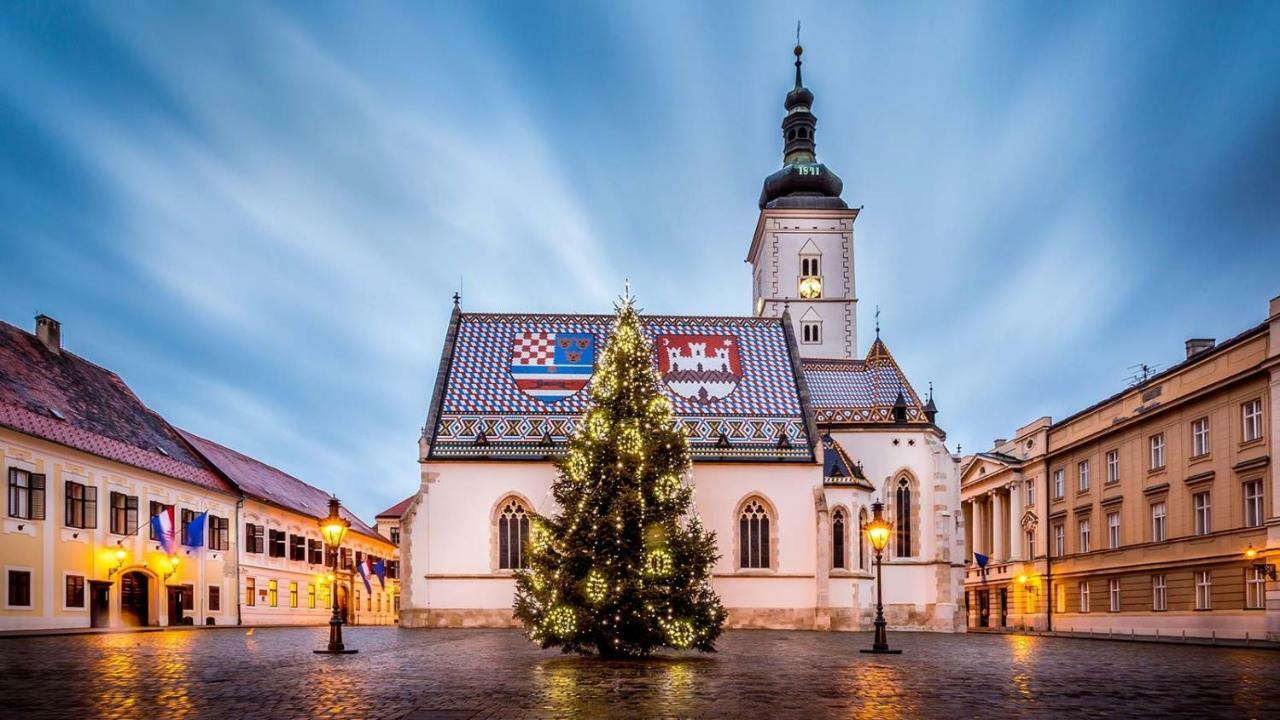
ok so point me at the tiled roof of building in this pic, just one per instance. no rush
(515, 385)
(395, 511)
(68, 400)
(860, 391)
(838, 468)
(265, 483)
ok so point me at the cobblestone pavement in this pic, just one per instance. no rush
(419, 674)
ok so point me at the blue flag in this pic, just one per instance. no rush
(363, 568)
(195, 531)
(380, 569)
(981, 559)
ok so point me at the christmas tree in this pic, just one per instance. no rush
(625, 567)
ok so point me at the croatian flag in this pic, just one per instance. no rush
(363, 568)
(195, 531)
(380, 569)
(162, 526)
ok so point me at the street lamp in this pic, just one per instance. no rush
(334, 529)
(878, 531)
(119, 555)
(173, 567)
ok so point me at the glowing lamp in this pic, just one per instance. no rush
(1022, 579)
(810, 288)
(1251, 553)
(879, 529)
(334, 527)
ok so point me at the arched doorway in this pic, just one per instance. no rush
(133, 599)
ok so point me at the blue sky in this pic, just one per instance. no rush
(256, 213)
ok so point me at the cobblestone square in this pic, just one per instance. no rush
(230, 673)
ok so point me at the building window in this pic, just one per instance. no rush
(311, 596)
(1204, 590)
(215, 598)
(1084, 535)
(250, 591)
(395, 535)
(297, 548)
(81, 507)
(1060, 598)
(275, 543)
(1201, 504)
(1031, 493)
(1157, 522)
(1084, 596)
(1059, 540)
(1031, 544)
(124, 513)
(837, 539)
(1157, 451)
(1113, 467)
(862, 539)
(753, 536)
(810, 332)
(1084, 475)
(513, 536)
(344, 559)
(1253, 503)
(1252, 416)
(1159, 599)
(293, 594)
(1200, 437)
(154, 508)
(1059, 483)
(1113, 530)
(26, 494)
(1255, 588)
(19, 589)
(315, 552)
(1113, 595)
(253, 538)
(187, 517)
(273, 593)
(74, 594)
(393, 569)
(902, 524)
(810, 278)
(219, 533)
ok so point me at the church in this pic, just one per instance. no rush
(793, 435)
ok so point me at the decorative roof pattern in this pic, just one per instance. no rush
(860, 391)
(730, 380)
(265, 483)
(63, 398)
(837, 468)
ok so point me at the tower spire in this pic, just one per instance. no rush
(799, 51)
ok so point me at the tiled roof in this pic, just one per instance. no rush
(860, 391)
(838, 468)
(395, 511)
(262, 482)
(66, 399)
(739, 401)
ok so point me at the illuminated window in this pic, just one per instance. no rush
(250, 591)
(1159, 597)
(837, 539)
(273, 593)
(1204, 590)
(753, 536)
(1060, 598)
(311, 596)
(293, 594)
(1252, 417)
(1200, 437)
(513, 536)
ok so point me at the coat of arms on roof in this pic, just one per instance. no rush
(701, 368)
(552, 366)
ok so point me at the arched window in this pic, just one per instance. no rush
(862, 539)
(902, 523)
(837, 539)
(753, 535)
(513, 535)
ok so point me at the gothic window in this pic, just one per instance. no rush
(902, 523)
(862, 539)
(753, 536)
(837, 539)
(513, 536)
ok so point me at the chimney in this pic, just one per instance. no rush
(1195, 346)
(49, 333)
(998, 442)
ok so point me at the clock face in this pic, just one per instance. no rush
(810, 288)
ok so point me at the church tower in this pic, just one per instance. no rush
(802, 254)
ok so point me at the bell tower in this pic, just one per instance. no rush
(802, 254)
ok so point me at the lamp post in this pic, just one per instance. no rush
(334, 529)
(878, 531)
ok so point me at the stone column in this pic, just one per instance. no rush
(1016, 538)
(978, 545)
(966, 513)
(999, 531)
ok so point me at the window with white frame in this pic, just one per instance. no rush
(1083, 471)
(1204, 590)
(1157, 451)
(1084, 534)
(1059, 489)
(1031, 544)
(1031, 493)
(1113, 530)
(1113, 467)
(1159, 596)
(26, 494)
(1113, 595)
(1059, 540)
(1255, 588)
(1157, 521)
(1084, 596)
(1253, 503)
(1200, 503)
(1200, 437)
(18, 588)
(1251, 413)
(810, 332)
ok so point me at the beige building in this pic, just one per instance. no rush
(1154, 511)
(87, 465)
(387, 522)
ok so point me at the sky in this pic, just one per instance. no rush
(257, 213)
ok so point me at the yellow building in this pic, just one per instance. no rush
(1154, 511)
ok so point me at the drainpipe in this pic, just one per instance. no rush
(1048, 543)
(238, 590)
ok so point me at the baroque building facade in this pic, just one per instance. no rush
(1155, 511)
(792, 434)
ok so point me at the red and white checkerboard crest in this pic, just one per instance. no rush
(701, 368)
(551, 366)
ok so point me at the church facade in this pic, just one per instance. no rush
(793, 436)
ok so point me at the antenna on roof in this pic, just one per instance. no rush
(1140, 373)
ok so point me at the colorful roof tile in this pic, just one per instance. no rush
(65, 399)
(860, 391)
(512, 386)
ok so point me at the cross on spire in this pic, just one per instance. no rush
(877, 322)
